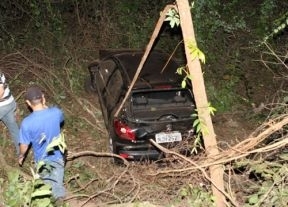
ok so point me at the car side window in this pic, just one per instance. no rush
(110, 83)
(114, 89)
(105, 70)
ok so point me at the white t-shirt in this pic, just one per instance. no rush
(7, 92)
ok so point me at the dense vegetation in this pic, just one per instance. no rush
(245, 44)
(227, 35)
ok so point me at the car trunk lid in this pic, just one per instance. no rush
(162, 110)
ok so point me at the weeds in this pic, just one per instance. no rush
(270, 178)
(25, 192)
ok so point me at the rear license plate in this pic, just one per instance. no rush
(164, 137)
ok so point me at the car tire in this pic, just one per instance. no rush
(113, 150)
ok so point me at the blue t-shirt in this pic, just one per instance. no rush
(39, 129)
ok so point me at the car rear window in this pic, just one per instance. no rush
(162, 98)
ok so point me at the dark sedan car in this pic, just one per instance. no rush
(157, 107)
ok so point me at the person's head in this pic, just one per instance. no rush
(34, 96)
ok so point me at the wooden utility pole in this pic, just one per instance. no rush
(194, 66)
(216, 171)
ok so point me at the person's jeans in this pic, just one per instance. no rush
(7, 115)
(54, 176)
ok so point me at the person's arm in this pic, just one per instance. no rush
(2, 89)
(22, 153)
(2, 82)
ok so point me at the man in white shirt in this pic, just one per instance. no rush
(7, 111)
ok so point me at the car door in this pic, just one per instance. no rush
(110, 85)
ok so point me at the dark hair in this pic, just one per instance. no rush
(33, 93)
(35, 102)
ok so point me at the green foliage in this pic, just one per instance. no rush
(195, 196)
(81, 173)
(222, 95)
(173, 18)
(133, 22)
(281, 24)
(59, 143)
(211, 109)
(31, 192)
(267, 9)
(187, 77)
(199, 124)
(217, 30)
(270, 188)
(200, 129)
(195, 52)
(210, 17)
(215, 24)
(26, 193)
(129, 24)
(38, 23)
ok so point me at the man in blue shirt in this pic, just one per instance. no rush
(39, 129)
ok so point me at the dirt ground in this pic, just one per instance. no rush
(95, 181)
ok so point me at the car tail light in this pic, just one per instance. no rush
(124, 155)
(123, 131)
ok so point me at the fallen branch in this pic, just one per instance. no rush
(73, 155)
(243, 149)
(240, 150)
(167, 151)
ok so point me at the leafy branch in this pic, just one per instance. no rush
(31, 192)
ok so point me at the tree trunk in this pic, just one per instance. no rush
(216, 171)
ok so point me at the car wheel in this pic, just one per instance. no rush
(88, 86)
(113, 149)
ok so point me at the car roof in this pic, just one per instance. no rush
(159, 68)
